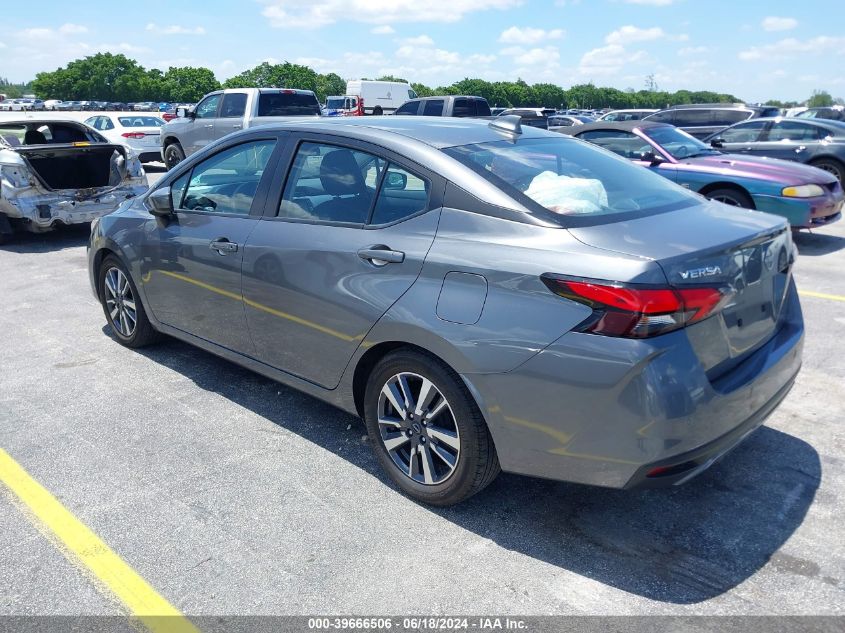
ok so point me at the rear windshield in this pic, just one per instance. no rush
(140, 121)
(575, 181)
(287, 104)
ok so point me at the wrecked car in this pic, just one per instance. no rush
(55, 173)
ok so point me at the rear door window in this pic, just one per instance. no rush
(794, 131)
(234, 105)
(401, 195)
(663, 117)
(434, 107)
(463, 108)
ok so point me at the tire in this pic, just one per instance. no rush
(732, 197)
(173, 155)
(120, 314)
(833, 166)
(456, 457)
(378, 111)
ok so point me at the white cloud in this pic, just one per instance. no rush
(384, 29)
(693, 50)
(316, 13)
(420, 40)
(528, 35)
(653, 3)
(72, 29)
(534, 56)
(175, 29)
(608, 60)
(791, 47)
(773, 23)
(627, 34)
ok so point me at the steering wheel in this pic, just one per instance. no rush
(682, 151)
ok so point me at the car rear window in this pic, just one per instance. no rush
(578, 183)
(287, 104)
(140, 121)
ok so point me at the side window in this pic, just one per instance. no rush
(794, 131)
(482, 108)
(729, 117)
(94, 122)
(663, 117)
(402, 194)
(693, 118)
(410, 107)
(234, 105)
(106, 123)
(625, 144)
(177, 190)
(328, 183)
(226, 182)
(744, 133)
(433, 107)
(463, 107)
(207, 109)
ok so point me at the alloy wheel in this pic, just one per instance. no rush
(725, 199)
(120, 302)
(418, 428)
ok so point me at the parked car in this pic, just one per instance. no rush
(61, 172)
(343, 105)
(225, 111)
(116, 106)
(380, 97)
(704, 119)
(140, 132)
(74, 105)
(451, 105)
(816, 142)
(626, 115)
(56, 105)
(146, 106)
(834, 113)
(534, 117)
(482, 293)
(806, 196)
(568, 120)
(497, 111)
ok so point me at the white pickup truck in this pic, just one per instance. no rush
(224, 111)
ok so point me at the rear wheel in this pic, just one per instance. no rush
(173, 155)
(426, 429)
(831, 166)
(378, 111)
(122, 306)
(732, 197)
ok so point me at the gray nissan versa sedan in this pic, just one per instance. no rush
(486, 296)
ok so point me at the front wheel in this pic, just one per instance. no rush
(122, 306)
(173, 155)
(732, 197)
(832, 167)
(426, 429)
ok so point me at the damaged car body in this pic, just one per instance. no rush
(55, 173)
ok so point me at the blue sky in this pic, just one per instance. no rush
(755, 50)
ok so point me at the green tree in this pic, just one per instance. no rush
(330, 84)
(102, 76)
(267, 75)
(820, 99)
(422, 90)
(187, 84)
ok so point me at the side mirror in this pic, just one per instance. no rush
(717, 142)
(652, 158)
(395, 180)
(184, 113)
(160, 203)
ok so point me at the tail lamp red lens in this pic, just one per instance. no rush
(135, 135)
(633, 312)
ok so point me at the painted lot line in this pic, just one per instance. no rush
(85, 549)
(821, 295)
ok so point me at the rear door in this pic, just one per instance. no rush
(192, 262)
(344, 239)
(789, 139)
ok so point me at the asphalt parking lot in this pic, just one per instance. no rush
(231, 494)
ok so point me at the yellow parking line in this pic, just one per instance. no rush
(820, 295)
(84, 548)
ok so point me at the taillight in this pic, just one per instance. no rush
(135, 135)
(360, 111)
(638, 312)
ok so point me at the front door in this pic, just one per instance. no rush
(192, 262)
(199, 132)
(231, 116)
(346, 241)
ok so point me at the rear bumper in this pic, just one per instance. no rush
(803, 213)
(604, 411)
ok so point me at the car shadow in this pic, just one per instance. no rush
(678, 545)
(816, 244)
(62, 237)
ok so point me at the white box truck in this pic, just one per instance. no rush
(380, 97)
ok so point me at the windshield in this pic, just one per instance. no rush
(335, 103)
(572, 178)
(140, 121)
(678, 143)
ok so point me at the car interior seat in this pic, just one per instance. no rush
(34, 137)
(342, 179)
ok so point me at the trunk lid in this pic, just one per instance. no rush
(86, 169)
(750, 254)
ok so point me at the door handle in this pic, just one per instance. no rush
(237, 126)
(223, 246)
(208, 125)
(380, 255)
(800, 149)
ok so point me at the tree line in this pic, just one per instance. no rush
(108, 77)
